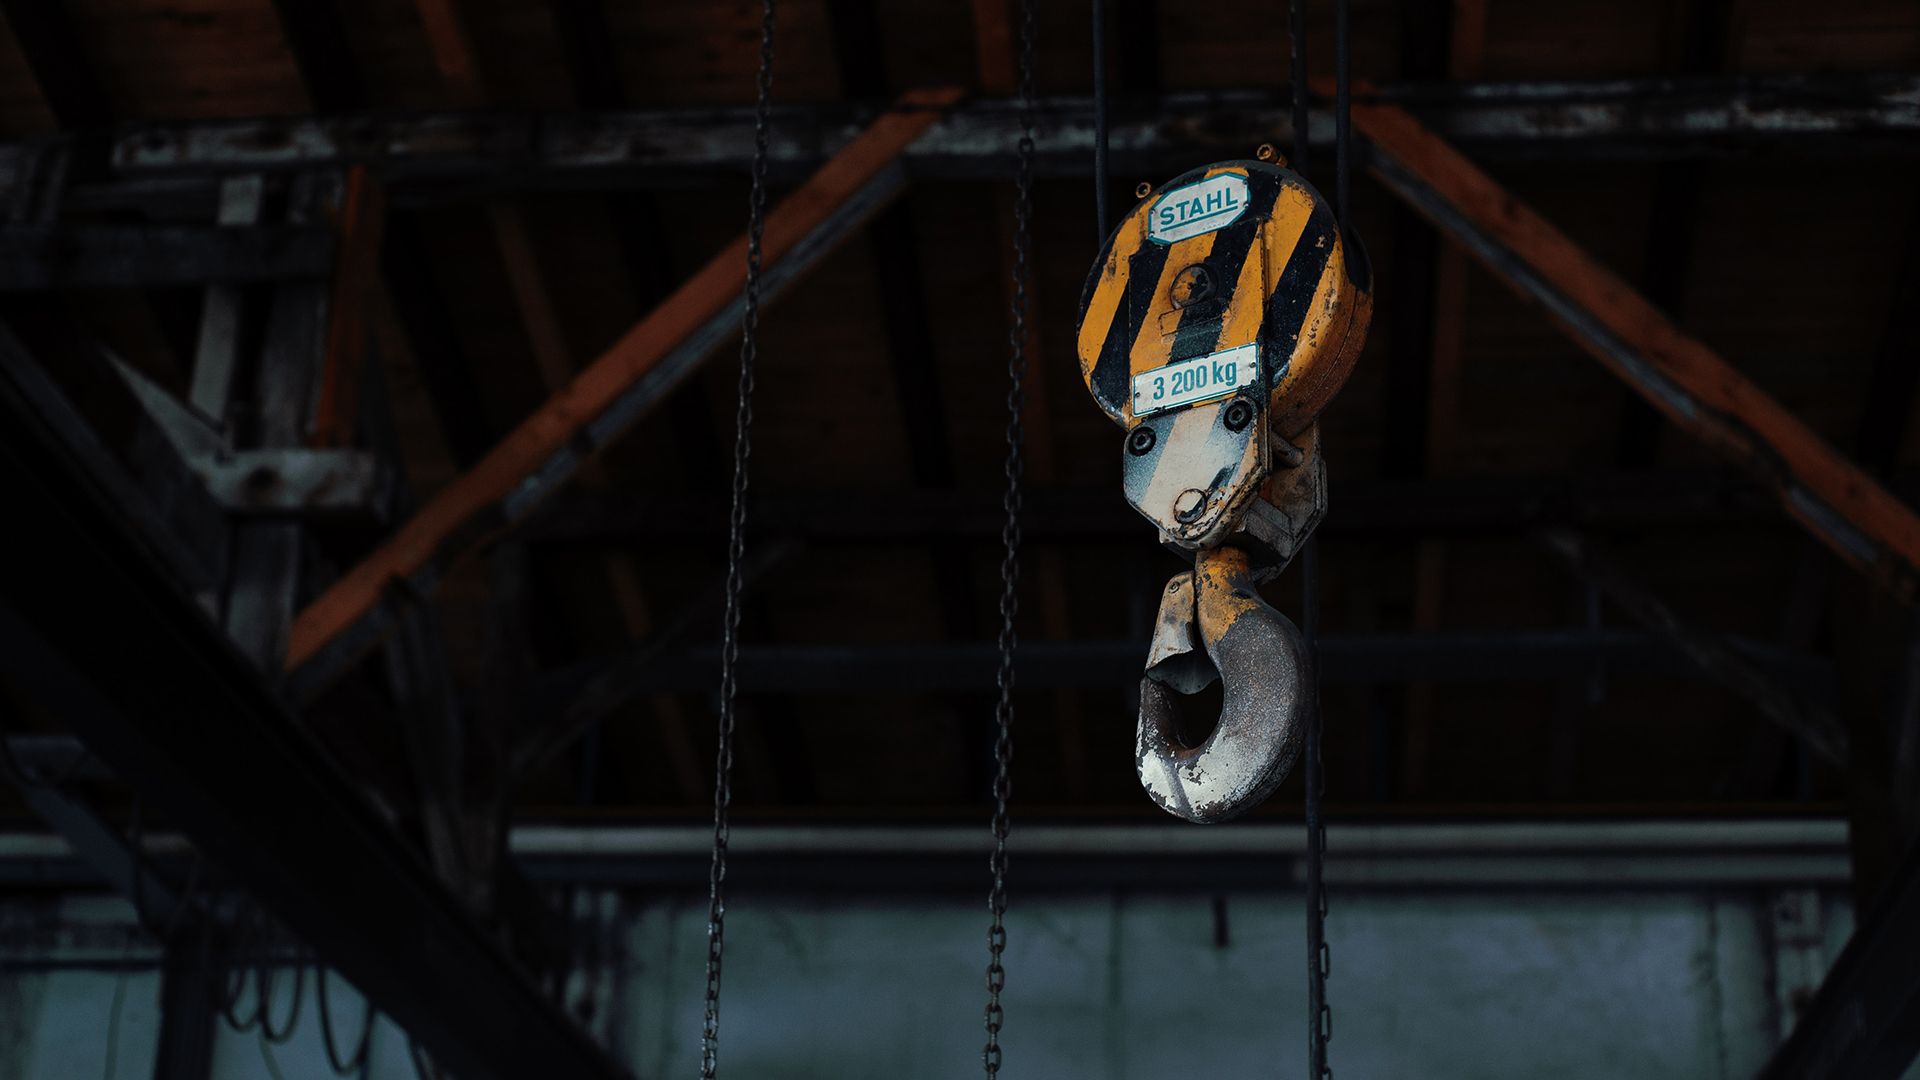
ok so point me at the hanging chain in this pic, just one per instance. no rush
(736, 552)
(1010, 538)
(1319, 959)
(1319, 955)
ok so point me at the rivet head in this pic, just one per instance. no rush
(1140, 441)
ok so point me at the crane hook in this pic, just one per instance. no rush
(1263, 664)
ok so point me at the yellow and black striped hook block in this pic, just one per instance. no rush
(1225, 312)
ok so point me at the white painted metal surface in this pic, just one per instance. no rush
(1448, 965)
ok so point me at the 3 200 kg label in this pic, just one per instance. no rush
(1202, 378)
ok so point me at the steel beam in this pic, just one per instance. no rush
(135, 462)
(360, 224)
(293, 480)
(1645, 118)
(610, 394)
(157, 692)
(1864, 1024)
(1699, 391)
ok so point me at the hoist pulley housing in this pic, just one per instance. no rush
(1224, 313)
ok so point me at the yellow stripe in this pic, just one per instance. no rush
(1304, 379)
(1291, 213)
(1108, 295)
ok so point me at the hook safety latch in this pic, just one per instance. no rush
(1213, 624)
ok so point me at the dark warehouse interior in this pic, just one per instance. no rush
(420, 655)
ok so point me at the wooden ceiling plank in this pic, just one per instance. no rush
(328, 68)
(51, 46)
(586, 41)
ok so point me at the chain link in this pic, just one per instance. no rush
(1010, 539)
(736, 551)
(1319, 956)
(1316, 765)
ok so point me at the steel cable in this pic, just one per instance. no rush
(264, 982)
(353, 1063)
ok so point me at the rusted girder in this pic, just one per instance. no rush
(1617, 118)
(230, 768)
(616, 389)
(1864, 1024)
(1694, 387)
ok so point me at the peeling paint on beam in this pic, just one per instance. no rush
(1618, 118)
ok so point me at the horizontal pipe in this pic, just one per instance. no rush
(1169, 857)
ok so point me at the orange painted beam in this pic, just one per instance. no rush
(452, 48)
(554, 424)
(1694, 387)
(360, 223)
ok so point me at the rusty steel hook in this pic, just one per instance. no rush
(1213, 624)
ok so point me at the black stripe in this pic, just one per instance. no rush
(1287, 308)
(1201, 324)
(1111, 376)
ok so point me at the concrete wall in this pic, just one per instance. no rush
(1434, 985)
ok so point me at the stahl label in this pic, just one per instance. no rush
(1213, 203)
(1202, 378)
